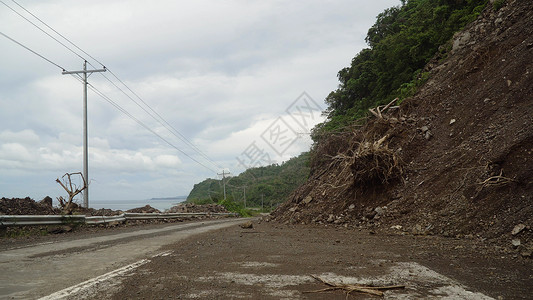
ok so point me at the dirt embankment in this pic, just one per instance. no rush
(454, 160)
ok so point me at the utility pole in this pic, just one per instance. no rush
(224, 181)
(244, 187)
(85, 134)
(261, 202)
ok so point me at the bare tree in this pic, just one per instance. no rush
(72, 190)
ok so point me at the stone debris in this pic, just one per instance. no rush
(247, 225)
(518, 228)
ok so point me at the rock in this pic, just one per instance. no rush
(518, 228)
(307, 200)
(247, 225)
(397, 227)
(47, 201)
(379, 210)
(428, 135)
(420, 230)
(424, 129)
(293, 209)
(461, 41)
(452, 121)
(331, 218)
(351, 207)
(60, 229)
(516, 243)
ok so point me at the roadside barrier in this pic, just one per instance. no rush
(29, 220)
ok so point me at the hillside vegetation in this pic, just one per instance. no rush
(269, 185)
(401, 42)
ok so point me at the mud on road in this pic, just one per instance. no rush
(274, 261)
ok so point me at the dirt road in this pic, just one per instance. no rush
(273, 261)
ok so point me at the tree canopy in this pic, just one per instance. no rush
(401, 43)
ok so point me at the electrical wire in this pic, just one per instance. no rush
(159, 118)
(117, 106)
(36, 26)
(56, 32)
(32, 51)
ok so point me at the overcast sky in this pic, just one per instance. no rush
(242, 80)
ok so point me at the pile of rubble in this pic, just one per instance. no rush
(27, 206)
(196, 208)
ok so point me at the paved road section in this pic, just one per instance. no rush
(34, 271)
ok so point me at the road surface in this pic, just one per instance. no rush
(37, 270)
(220, 260)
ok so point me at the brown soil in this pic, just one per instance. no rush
(454, 160)
(274, 261)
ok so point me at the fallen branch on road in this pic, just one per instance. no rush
(349, 288)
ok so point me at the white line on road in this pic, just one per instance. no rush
(91, 282)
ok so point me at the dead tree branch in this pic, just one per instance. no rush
(496, 180)
(349, 288)
(379, 110)
(72, 190)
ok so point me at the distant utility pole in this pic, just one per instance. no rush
(85, 135)
(224, 173)
(244, 187)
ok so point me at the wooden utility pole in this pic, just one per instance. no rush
(85, 133)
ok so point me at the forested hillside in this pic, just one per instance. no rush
(269, 185)
(401, 42)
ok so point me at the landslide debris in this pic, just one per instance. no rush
(27, 206)
(454, 160)
(197, 208)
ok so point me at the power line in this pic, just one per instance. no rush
(43, 30)
(117, 106)
(160, 119)
(56, 32)
(32, 51)
(174, 131)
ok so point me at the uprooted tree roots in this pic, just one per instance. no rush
(370, 163)
(374, 162)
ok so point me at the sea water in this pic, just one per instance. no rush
(161, 203)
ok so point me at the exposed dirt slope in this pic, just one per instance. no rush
(455, 160)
